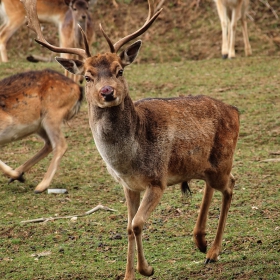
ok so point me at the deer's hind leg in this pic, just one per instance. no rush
(36, 158)
(17, 174)
(6, 32)
(199, 232)
(224, 184)
(10, 172)
(247, 46)
(58, 145)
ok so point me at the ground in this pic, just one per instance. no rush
(180, 55)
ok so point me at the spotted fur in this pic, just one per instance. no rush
(37, 102)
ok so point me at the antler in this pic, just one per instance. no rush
(33, 23)
(151, 18)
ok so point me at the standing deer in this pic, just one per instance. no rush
(153, 143)
(66, 14)
(37, 102)
(229, 12)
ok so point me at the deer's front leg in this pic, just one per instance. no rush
(150, 200)
(248, 50)
(133, 201)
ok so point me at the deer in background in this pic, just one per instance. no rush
(229, 12)
(66, 14)
(153, 143)
(37, 102)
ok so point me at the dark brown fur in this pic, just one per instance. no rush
(153, 143)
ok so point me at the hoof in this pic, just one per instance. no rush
(209, 261)
(153, 271)
(37, 192)
(224, 56)
(200, 242)
(20, 179)
(31, 58)
(203, 249)
(149, 272)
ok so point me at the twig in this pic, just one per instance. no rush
(269, 7)
(271, 160)
(275, 153)
(98, 207)
(249, 16)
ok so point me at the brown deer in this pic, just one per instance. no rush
(153, 143)
(37, 102)
(229, 12)
(66, 14)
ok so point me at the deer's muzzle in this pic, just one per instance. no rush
(107, 92)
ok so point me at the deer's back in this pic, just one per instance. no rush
(178, 139)
(27, 98)
(232, 4)
(48, 11)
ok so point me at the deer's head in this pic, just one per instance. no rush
(105, 84)
(79, 9)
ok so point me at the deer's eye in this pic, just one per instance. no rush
(120, 73)
(87, 78)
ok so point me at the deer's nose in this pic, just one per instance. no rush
(108, 93)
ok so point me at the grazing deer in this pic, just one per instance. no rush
(64, 13)
(229, 12)
(37, 102)
(153, 143)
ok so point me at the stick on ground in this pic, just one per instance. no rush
(96, 208)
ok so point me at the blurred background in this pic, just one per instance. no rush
(185, 30)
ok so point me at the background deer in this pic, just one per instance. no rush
(37, 102)
(153, 143)
(66, 14)
(229, 12)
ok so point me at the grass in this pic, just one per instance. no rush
(94, 247)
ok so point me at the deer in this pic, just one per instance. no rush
(37, 102)
(230, 11)
(150, 144)
(66, 14)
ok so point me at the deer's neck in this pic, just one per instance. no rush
(114, 124)
(113, 131)
(71, 29)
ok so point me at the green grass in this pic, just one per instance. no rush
(94, 247)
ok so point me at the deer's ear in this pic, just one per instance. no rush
(129, 54)
(72, 65)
